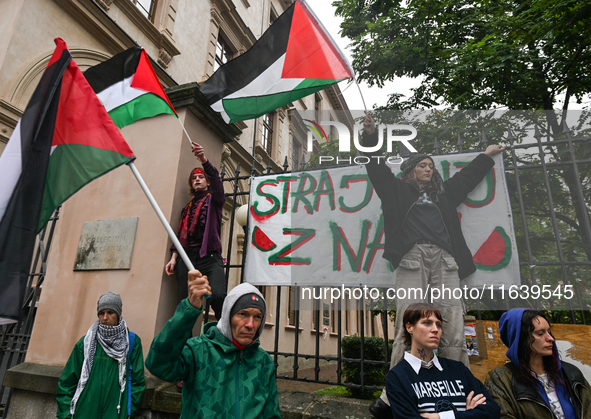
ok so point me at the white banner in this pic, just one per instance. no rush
(325, 228)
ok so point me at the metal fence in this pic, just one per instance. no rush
(549, 180)
(550, 187)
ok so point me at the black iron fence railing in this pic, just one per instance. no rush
(550, 187)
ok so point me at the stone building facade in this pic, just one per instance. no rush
(187, 40)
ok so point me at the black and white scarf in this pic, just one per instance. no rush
(115, 342)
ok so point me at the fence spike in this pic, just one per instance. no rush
(537, 133)
(253, 168)
(223, 174)
(436, 146)
(460, 143)
(237, 169)
(285, 165)
(303, 163)
(404, 152)
(269, 167)
(565, 128)
(510, 137)
(484, 140)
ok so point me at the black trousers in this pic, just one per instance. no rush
(212, 266)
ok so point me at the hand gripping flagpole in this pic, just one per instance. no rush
(163, 220)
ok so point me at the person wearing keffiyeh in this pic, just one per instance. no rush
(94, 383)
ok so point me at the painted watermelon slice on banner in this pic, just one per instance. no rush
(261, 241)
(495, 253)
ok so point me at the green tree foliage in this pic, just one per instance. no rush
(473, 54)
(374, 375)
(506, 54)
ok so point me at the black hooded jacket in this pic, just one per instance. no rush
(398, 197)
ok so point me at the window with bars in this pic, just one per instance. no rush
(223, 53)
(147, 7)
(267, 139)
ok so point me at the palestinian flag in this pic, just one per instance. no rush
(128, 87)
(294, 58)
(64, 139)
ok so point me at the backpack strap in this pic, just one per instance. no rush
(131, 336)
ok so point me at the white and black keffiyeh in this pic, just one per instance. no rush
(115, 342)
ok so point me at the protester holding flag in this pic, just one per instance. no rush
(199, 232)
(104, 376)
(424, 240)
(226, 372)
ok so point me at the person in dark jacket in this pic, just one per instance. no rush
(536, 383)
(424, 240)
(426, 386)
(100, 373)
(199, 232)
(225, 372)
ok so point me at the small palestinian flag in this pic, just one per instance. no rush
(294, 58)
(128, 87)
(64, 140)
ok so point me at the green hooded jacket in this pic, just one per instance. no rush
(219, 380)
(101, 394)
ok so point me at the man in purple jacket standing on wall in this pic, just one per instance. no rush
(199, 232)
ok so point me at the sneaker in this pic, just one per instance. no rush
(380, 409)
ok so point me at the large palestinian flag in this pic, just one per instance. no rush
(128, 87)
(64, 139)
(295, 57)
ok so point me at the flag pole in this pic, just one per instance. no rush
(186, 133)
(160, 215)
(362, 99)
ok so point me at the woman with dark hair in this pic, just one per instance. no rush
(425, 386)
(535, 383)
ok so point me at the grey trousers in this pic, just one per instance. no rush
(422, 271)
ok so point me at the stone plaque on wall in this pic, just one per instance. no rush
(106, 244)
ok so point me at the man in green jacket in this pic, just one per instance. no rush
(225, 373)
(100, 373)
